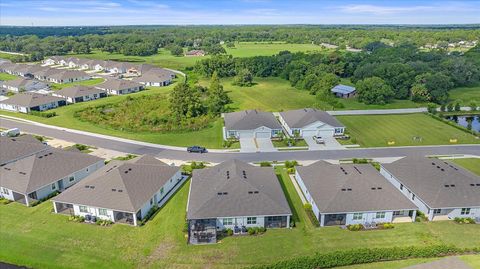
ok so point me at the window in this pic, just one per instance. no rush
(151, 201)
(465, 211)
(338, 130)
(102, 211)
(357, 216)
(83, 209)
(227, 221)
(413, 197)
(161, 190)
(251, 220)
(71, 179)
(437, 211)
(53, 186)
(380, 215)
(401, 187)
(5, 191)
(398, 213)
(232, 133)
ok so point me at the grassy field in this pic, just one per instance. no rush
(37, 238)
(466, 95)
(5, 76)
(471, 164)
(251, 49)
(90, 82)
(378, 130)
(472, 260)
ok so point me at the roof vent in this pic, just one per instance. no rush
(92, 187)
(433, 163)
(250, 192)
(379, 188)
(244, 174)
(344, 189)
(40, 157)
(22, 173)
(129, 169)
(255, 192)
(120, 191)
(219, 193)
(126, 172)
(374, 188)
(349, 189)
(225, 193)
(114, 189)
(86, 186)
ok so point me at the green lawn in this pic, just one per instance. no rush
(37, 238)
(378, 130)
(5, 76)
(466, 95)
(472, 260)
(251, 49)
(470, 164)
(90, 82)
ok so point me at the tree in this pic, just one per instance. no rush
(324, 85)
(432, 108)
(244, 78)
(419, 93)
(473, 106)
(185, 102)
(457, 107)
(374, 90)
(437, 84)
(230, 44)
(176, 50)
(217, 98)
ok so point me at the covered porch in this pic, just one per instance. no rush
(334, 219)
(64, 208)
(404, 216)
(124, 217)
(202, 231)
(277, 221)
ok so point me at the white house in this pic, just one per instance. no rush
(79, 93)
(119, 86)
(29, 101)
(122, 192)
(155, 77)
(23, 84)
(67, 76)
(352, 194)
(309, 122)
(440, 189)
(37, 176)
(251, 124)
(234, 195)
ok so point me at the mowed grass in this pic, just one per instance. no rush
(466, 95)
(37, 238)
(251, 49)
(378, 130)
(471, 164)
(90, 82)
(5, 76)
(472, 260)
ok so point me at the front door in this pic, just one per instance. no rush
(60, 184)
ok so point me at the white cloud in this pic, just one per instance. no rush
(387, 10)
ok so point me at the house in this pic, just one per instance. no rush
(7, 67)
(42, 174)
(30, 101)
(155, 77)
(119, 86)
(440, 189)
(309, 122)
(251, 124)
(195, 53)
(352, 194)
(97, 65)
(80, 93)
(45, 73)
(73, 62)
(117, 67)
(122, 192)
(15, 148)
(344, 91)
(234, 195)
(67, 76)
(23, 84)
(52, 60)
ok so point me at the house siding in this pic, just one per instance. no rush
(308, 197)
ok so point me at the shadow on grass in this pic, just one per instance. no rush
(295, 216)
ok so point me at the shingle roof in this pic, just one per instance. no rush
(33, 172)
(343, 89)
(68, 74)
(124, 186)
(13, 148)
(302, 117)
(427, 178)
(153, 75)
(250, 119)
(118, 84)
(348, 188)
(78, 91)
(30, 99)
(224, 191)
(21, 82)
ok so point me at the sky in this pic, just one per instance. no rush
(181, 12)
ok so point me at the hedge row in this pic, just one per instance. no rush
(361, 256)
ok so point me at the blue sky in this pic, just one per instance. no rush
(130, 12)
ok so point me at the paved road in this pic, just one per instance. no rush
(143, 148)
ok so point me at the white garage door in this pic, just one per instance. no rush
(262, 134)
(325, 133)
(309, 133)
(245, 134)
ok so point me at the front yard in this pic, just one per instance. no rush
(37, 238)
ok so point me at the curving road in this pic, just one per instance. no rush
(175, 153)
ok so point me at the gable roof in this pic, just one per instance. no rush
(68, 74)
(118, 84)
(224, 191)
(250, 119)
(30, 99)
(153, 75)
(348, 188)
(124, 186)
(302, 117)
(35, 171)
(23, 82)
(14, 148)
(427, 178)
(343, 89)
(78, 91)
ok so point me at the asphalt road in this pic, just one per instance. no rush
(133, 147)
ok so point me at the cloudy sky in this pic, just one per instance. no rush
(130, 12)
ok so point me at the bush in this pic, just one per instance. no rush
(51, 195)
(457, 107)
(355, 227)
(420, 217)
(385, 226)
(251, 231)
(464, 220)
(229, 232)
(255, 230)
(311, 215)
(265, 164)
(76, 218)
(432, 108)
(104, 222)
(291, 164)
(44, 114)
(150, 213)
(360, 161)
(4, 201)
(291, 171)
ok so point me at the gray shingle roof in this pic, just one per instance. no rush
(425, 178)
(118, 84)
(13, 148)
(343, 89)
(30, 99)
(78, 91)
(23, 82)
(336, 192)
(68, 74)
(250, 119)
(259, 193)
(302, 117)
(33, 172)
(134, 181)
(152, 76)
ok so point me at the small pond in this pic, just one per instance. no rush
(467, 121)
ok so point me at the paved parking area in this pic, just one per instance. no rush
(330, 143)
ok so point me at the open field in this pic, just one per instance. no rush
(466, 95)
(471, 164)
(378, 130)
(251, 49)
(90, 82)
(5, 76)
(472, 260)
(37, 238)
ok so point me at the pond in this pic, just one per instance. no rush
(467, 121)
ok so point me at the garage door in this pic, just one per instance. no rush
(309, 133)
(245, 134)
(325, 133)
(262, 134)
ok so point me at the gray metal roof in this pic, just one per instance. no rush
(224, 191)
(33, 172)
(350, 190)
(250, 120)
(444, 263)
(123, 186)
(343, 89)
(30, 99)
(118, 84)
(13, 148)
(302, 117)
(427, 178)
(78, 91)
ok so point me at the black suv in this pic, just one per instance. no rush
(197, 149)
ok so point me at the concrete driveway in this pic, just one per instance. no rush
(265, 145)
(330, 143)
(256, 145)
(248, 145)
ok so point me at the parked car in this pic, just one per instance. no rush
(318, 140)
(11, 132)
(197, 149)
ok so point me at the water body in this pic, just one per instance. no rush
(472, 121)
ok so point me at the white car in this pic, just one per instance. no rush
(318, 139)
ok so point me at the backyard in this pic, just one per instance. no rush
(37, 238)
(466, 95)
(472, 260)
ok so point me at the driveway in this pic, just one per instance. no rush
(330, 143)
(265, 145)
(247, 145)
(256, 145)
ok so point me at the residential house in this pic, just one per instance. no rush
(15, 148)
(73, 62)
(155, 77)
(117, 67)
(344, 91)
(30, 101)
(234, 195)
(52, 60)
(440, 189)
(45, 73)
(195, 53)
(251, 124)
(119, 86)
(38, 176)
(67, 76)
(122, 192)
(23, 84)
(309, 122)
(80, 93)
(352, 194)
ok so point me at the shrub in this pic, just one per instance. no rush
(4, 201)
(51, 195)
(251, 231)
(355, 227)
(457, 107)
(473, 106)
(432, 108)
(450, 107)
(360, 161)
(464, 220)
(229, 232)
(104, 222)
(291, 164)
(76, 218)
(150, 213)
(311, 215)
(199, 165)
(44, 114)
(420, 217)
(385, 226)
(291, 171)
(265, 164)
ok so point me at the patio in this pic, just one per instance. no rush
(202, 231)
